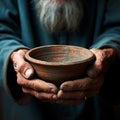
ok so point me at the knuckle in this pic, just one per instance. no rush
(34, 86)
(22, 66)
(37, 95)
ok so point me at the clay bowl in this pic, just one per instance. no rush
(59, 63)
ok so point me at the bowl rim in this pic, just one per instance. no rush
(41, 62)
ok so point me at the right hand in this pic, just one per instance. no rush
(36, 87)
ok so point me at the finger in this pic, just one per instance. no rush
(97, 67)
(75, 85)
(20, 65)
(77, 95)
(25, 69)
(40, 95)
(71, 95)
(36, 84)
(97, 83)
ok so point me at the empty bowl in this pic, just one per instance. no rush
(59, 63)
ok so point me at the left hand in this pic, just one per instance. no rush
(77, 91)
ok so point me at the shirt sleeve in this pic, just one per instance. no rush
(110, 37)
(10, 40)
(109, 28)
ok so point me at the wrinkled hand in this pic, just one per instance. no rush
(76, 92)
(40, 89)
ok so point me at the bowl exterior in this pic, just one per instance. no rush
(59, 74)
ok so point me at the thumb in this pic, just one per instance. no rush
(20, 65)
(96, 68)
(26, 70)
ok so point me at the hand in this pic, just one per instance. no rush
(33, 86)
(76, 91)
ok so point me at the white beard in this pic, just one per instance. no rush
(60, 15)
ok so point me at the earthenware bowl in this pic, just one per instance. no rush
(59, 63)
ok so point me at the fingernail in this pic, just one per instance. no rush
(54, 97)
(63, 87)
(28, 73)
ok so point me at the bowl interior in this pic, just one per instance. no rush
(59, 54)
